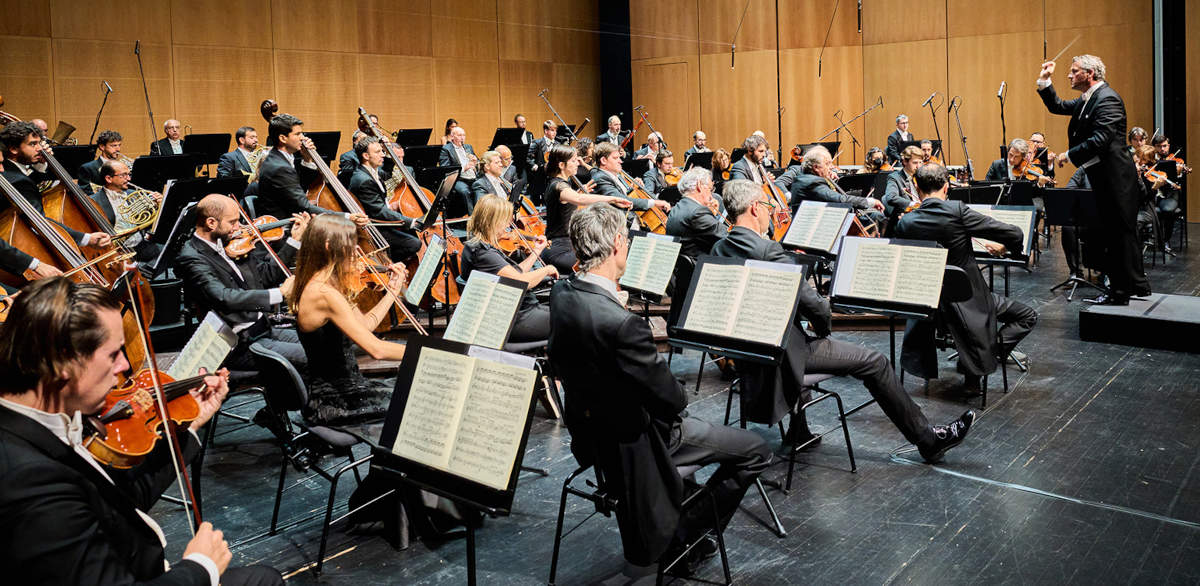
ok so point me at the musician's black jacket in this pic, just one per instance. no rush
(213, 285)
(696, 226)
(282, 187)
(61, 522)
(373, 200)
(231, 163)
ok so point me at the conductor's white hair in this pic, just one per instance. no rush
(1091, 63)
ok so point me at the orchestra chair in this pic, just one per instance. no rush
(606, 504)
(286, 393)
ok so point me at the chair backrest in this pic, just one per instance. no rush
(956, 287)
(248, 202)
(285, 390)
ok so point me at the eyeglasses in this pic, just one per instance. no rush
(767, 203)
(123, 174)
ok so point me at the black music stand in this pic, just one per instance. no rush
(699, 160)
(980, 192)
(1073, 207)
(73, 157)
(153, 171)
(326, 143)
(670, 194)
(863, 182)
(206, 148)
(635, 167)
(514, 195)
(937, 146)
(831, 146)
(411, 137)
(737, 154)
(419, 156)
(507, 137)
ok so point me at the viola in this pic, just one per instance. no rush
(130, 424)
(1154, 176)
(1032, 172)
(269, 229)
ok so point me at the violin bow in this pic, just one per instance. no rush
(397, 299)
(258, 236)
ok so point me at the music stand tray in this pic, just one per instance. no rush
(420, 156)
(736, 155)
(326, 143)
(73, 157)
(635, 167)
(206, 148)
(411, 137)
(831, 146)
(153, 171)
(699, 160)
(506, 136)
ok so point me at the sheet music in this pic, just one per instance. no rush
(419, 283)
(816, 225)
(493, 423)
(484, 312)
(207, 348)
(435, 403)
(766, 305)
(891, 272)
(1022, 219)
(874, 270)
(717, 291)
(650, 263)
(920, 274)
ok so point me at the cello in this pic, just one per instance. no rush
(414, 201)
(781, 214)
(653, 219)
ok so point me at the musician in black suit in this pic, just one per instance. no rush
(491, 181)
(899, 135)
(655, 177)
(699, 144)
(508, 171)
(64, 517)
(610, 180)
(237, 161)
(614, 135)
(818, 182)
(172, 143)
(457, 153)
(1040, 154)
(973, 322)
(900, 191)
(25, 168)
(283, 177)
(1095, 133)
(348, 161)
(241, 291)
(694, 217)
(769, 392)
(108, 145)
(535, 161)
(111, 197)
(367, 184)
(624, 408)
(1009, 169)
(751, 164)
(520, 122)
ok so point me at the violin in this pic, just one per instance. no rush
(269, 229)
(130, 423)
(376, 275)
(1032, 172)
(1154, 175)
(673, 176)
(1183, 168)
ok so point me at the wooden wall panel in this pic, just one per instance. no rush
(396, 88)
(321, 88)
(719, 21)
(673, 99)
(524, 31)
(663, 28)
(315, 25)
(803, 24)
(810, 101)
(520, 82)
(25, 76)
(395, 27)
(1089, 13)
(466, 28)
(576, 95)
(967, 18)
(221, 23)
(893, 21)
(219, 89)
(904, 89)
(736, 102)
(79, 67)
(25, 18)
(468, 91)
(127, 20)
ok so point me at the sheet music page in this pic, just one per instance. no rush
(828, 228)
(717, 293)
(471, 308)
(660, 266)
(492, 424)
(502, 304)
(1019, 218)
(765, 308)
(419, 283)
(874, 271)
(435, 403)
(207, 348)
(920, 275)
(804, 223)
(637, 262)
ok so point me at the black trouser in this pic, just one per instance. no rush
(531, 325)
(828, 356)
(1017, 321)
(1123, 254)
(401, 244)
(561, 255)
(251, 576)
(461, 201)
(281, 340)
(742, 456)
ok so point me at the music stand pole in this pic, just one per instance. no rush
(107, 90)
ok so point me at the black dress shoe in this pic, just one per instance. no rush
(798, 435)
(1109, 299)
(948, 436)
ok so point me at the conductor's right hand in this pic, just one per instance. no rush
(210, 542)
(1047, 70)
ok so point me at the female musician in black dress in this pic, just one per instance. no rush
(328, 322)
(561, 201)
(489, 223)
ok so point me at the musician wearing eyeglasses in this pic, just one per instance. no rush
(64, 517)
(172, 143)
(818, 182)
(369, 185)
(900, 135)
(651, 149)
(457, 153)
(25, 167)
(115, 197)
(699, 144)
(1040, 154)
(694, 218)
(108, 148)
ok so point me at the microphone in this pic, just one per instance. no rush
(137, 47)
(1000, 92)
(860, 17)
(639, 108)
(929, 99)
(836, 114)
(732, 50)
(106, 86)
(543, 92)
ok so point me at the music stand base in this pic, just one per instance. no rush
(1074, 282)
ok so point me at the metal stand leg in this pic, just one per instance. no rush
(779, 530)
(471, 554)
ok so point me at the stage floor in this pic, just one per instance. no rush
(1088, 471)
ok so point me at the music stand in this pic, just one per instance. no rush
(981, 192)
(507, 137)
(185, 191)
(937, 146)
(862, 182)
(73, 157)
(206, 148)
(635, 167)
(699, 160)
(433, 176)
(1073, 207)
(153, 171)
(831, 146)
(670, 194)
(422, 156)
(326, 143)
(736, 155)
(412, 137)
(514, 194)
(180, 231)
(436, 207)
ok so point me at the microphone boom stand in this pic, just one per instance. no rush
(137, 50)
(854, 144)
(955, 108)
(107, 90)
(937, 131)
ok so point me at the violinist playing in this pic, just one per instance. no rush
(241, 291)
(367, 184)
(1162, 151)
(927, 153)
(655, 178)
(1161, 203)
(610, 179)
(874, 163)
(565, 194)
(1040, 154)
(1016, 167)
(489, 224)
(66, 518)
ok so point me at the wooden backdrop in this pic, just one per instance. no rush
(209, 63)
(907, 49)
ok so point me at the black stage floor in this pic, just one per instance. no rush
(1088, 471)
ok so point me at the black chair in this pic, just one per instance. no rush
(286, 393)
